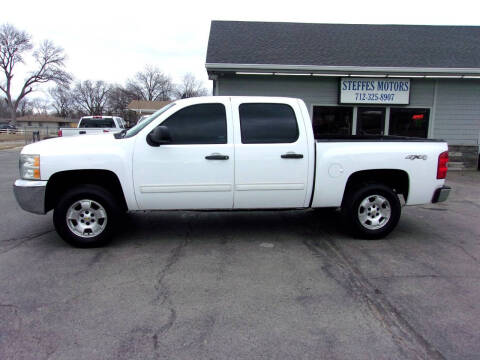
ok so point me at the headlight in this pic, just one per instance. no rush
(30, 167)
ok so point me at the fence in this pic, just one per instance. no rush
(28, 134)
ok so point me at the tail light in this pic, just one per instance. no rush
(59, 132)
(105, 131)
(442, 165)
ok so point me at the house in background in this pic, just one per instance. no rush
(46, 121)
(406, 80)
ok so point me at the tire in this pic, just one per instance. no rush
(92, 213)
(371, 211)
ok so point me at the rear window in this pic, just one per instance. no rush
(96, 123)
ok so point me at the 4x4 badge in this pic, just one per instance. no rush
(413, 157)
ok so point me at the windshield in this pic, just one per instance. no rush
(96, 123)
(135, 130)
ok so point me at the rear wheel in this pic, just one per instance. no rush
(86, 216)
(371, 211)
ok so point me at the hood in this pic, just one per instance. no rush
(70, 144)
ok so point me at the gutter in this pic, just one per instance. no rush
(344, 70)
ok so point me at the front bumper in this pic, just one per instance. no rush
(441, 194)
(30, 195)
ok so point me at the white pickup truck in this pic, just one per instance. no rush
(90, 125)
(227, 153)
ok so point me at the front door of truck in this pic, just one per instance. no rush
(271, 154)
(194, 170)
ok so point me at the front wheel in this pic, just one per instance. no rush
(371, 211)
(86, 216)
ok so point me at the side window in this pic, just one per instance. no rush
(198, 124)
(267, 123)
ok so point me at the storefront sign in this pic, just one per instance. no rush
(374, 91)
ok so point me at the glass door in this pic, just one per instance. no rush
(370, 121)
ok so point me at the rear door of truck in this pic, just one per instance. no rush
(272, 155)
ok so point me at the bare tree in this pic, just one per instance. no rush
(190, 87)
(40, 106)
(25, 107)
(4, 111)
(63, 102)
(118, 100)
(49, 59)
(150, 84)
(91, 97)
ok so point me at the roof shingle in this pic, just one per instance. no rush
(420, 46)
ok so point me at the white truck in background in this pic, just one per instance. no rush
(89, 125)
(227, 153)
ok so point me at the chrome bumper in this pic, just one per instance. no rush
(441, 194)
(30, 195)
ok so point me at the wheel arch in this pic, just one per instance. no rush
(396, 179)
(62, 181)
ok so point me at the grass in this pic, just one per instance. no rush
(12, 137)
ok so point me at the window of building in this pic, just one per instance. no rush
(332, 120)
(409, 122)
(370, 121)
(198, 124)
(267, 123)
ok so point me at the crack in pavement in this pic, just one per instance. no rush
(454, 243)
(23, 240)
(424, 276)
(162, 290)
(343, 270)
(160, 287)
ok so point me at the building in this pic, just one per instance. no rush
(421, 81)
(143, 107)
(46, 121)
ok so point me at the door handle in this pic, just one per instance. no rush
(216, 157)
(292, 156)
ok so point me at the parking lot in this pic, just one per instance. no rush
(243, 285)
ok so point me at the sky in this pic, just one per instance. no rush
(112, 40)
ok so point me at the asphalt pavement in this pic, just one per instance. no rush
(243, 285)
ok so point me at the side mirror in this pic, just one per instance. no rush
(158, 136)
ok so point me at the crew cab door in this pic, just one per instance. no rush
(194, 170)
(271, 154)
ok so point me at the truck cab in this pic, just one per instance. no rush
(225, 154)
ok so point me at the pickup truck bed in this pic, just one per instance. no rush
(228, 153)
(91, 125)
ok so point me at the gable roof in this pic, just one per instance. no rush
(144, 105)
(272, 45)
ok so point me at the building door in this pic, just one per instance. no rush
(371, 121)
